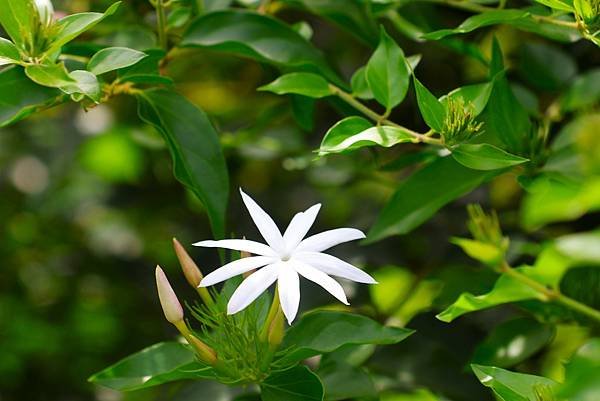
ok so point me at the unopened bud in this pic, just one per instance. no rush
(192, 273)
(276, 331)
(45, 11)
(168, 300)
(205, 353)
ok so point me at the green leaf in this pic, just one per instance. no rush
(582, 374)
(113, 58)
(295, 384)
(9, 54)
(352, 15)
(355, 132)
(424, 193)
(582, 248)
(432, 110)
(360, 87)
(563, 5)
(320, 332)
(145, 71)
(158, 364)
(505, 120)
(484, 156)
(198, 161)
(512, 342)
(300, 83)
(21, 97)
(546, 66)
(17, 19)
(57, 76)
(387, 72)
(71, 26)
(259, 37)
(343, 381)
(507, 289)
(583, 92)
(511, 386)
(479, 21)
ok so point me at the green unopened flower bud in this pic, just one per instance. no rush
(168, 299)
(191, 271)
(276, 330)
(459, 124)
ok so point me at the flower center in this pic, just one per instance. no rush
(285, 257)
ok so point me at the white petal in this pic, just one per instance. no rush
(336, 267)
(265, 224)
(327, 239)
(299, 226)
(288, 284)
(239, 245)
(252, 287)
(318, 277)
(235, 268)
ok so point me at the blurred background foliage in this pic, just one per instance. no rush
(89, 205)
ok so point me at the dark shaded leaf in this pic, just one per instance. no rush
(295, 384)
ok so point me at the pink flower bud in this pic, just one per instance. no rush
(168, 300)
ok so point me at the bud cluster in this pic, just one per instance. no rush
(459, 125)
(485, 228)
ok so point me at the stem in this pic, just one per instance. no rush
(379, 118)
(552, 294)
(162, 24)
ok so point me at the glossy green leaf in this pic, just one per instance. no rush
(583, 92)
(71, 26)
(512, 342)
(259, 37)
(511, 386)
(424, 193)
(505, 120)
(113, 58)
(300, 83)
(9, 54)
(352, 15)
(486, 253)
(484, 156)
(479, 21)
(158, 364)
(355, 132)
(320, 332)
(21, 97)
(387, 72)
(17, 19)
(57, 76)
(432, 110)
(343, 382)
(507, 289)
(563, 5)
(582, 374)
(198, 161)
(295, 384)
(360, 87)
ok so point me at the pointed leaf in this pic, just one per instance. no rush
(387, 72)
(355, 132)
(158, 364)
(113, 58)
(71, 26)
(294, 384)
(479, 21)
(17, 19)
(198, 161)
(260, 37)
(432, 110)
(424, 193)
(484, 156)
(300, 83)
(511, 386)
(57, 76)
(325, 331)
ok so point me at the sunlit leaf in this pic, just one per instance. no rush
(355, 132)
(511, 386)
(300, 83)
(158, 364)
(113, 58)
(9, 54)
(485, 157)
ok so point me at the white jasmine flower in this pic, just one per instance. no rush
(284, 258)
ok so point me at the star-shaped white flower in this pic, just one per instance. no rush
(284, 258)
